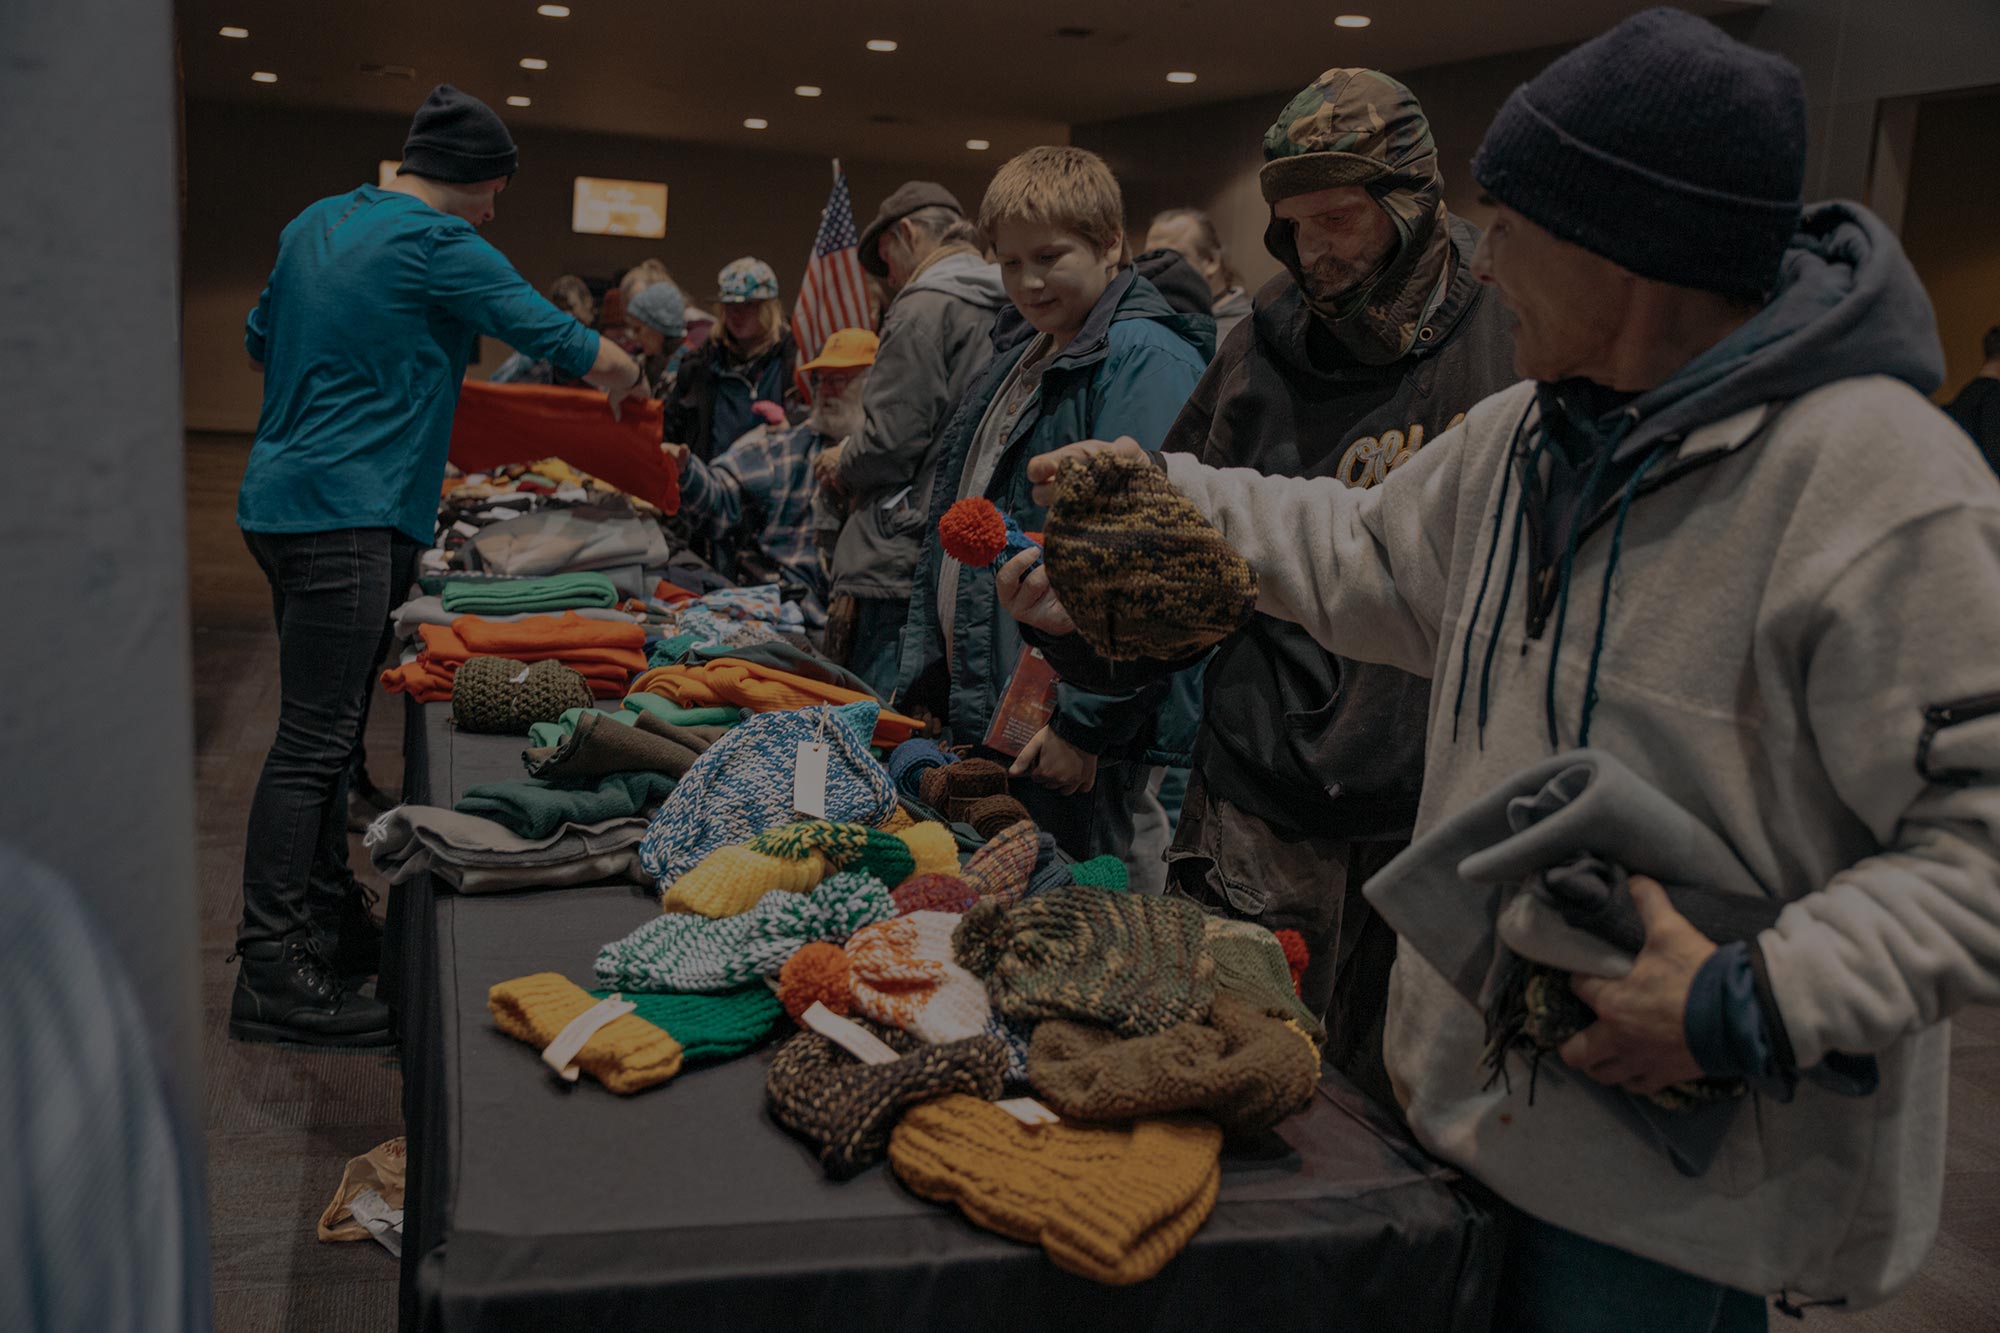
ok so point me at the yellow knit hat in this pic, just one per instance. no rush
(1110, 1204)
(628, 1054)
(796, 857)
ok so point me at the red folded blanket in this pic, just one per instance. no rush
(498, 424)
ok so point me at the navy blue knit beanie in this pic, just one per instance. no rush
(456, 137)
(1664, 145)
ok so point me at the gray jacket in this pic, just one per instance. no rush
(934, 341)
(1800, 633)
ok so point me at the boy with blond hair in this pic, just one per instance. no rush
(1090, 346)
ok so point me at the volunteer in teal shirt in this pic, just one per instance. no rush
(363, 334)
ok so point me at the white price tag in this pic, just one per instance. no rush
(516, 680)
(560, 1054)
(1029, 1112)
(898, 498)
(809, 780)
(856, 1040)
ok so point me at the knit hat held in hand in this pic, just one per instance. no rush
(626, 1055)
(500, 696)
(1132, 963)
(1138, 568)
(686, 952)
(1664, 145)
(845, 1109)
(1112, 1205)
(1241, 1068)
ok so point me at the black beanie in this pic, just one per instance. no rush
(456, 137)
(1665, 146)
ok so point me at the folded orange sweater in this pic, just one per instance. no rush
(752, 685)
(605, 653)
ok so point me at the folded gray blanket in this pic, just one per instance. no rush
(475, 855)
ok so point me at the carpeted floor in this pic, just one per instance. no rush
(281, 1122)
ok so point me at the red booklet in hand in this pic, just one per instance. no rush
(1026, 707)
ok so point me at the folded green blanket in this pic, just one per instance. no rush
(542, 735)
(558, 592)
(534, 808)
(599, 746)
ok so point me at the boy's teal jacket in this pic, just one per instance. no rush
(1126, 373)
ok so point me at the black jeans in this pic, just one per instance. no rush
(332, 593)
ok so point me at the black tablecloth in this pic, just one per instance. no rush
(535, 1205)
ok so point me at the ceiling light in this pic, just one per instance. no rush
(806, 90)
(756, 123)
(235, 32)
(263, 76)
(518, 100)
(553, 11)
(1180, 76)
(533, 62)
(881, 44)
(1352, 21)
(977, 145)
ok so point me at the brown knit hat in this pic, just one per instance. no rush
(845, 1109)
(501, 695)
(1133, 963)
(1110, 1204)
(991, 815)
(1243, 1069)
(954, 789)
(1140, 571)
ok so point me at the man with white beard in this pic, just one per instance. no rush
(758, 496)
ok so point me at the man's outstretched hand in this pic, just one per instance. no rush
(1042, 470)
(1023, 584)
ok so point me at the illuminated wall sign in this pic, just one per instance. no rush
(619, 208)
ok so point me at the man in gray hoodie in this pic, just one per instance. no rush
(1721, 536)
(936, 336)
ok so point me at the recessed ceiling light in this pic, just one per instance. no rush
(1352, 21)
(807, 90)
(235, 32)
(263, 76)
(518, 100)
(881, 44)
(1180, 76)
(533, 62)
(977, 145)
(553, 11)
(756, 123)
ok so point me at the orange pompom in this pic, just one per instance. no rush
(1296, 954)
(816, 972)
(973, 532)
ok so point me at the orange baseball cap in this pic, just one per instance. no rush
(845, 350)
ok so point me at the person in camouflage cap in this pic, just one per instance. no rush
(1359, 128)
(1371, 344)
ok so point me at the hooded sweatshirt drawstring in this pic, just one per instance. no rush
(1625, 499)
(1485, 578)
(1605, 448)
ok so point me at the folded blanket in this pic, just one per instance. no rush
(429, 610)
(605, 653)
(711, 724)
(558, 592)
(600, 746)
(475, 855)
(557, 541)
(535, 808)
(765, 690)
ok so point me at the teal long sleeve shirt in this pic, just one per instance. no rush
(364, 331)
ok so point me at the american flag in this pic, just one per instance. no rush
(834, 295)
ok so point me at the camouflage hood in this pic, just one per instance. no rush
(1361, 127)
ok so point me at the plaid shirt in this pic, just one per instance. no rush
(763, 487)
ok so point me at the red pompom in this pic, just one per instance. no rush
(816, 972)
(973, 532)
(1296, 954)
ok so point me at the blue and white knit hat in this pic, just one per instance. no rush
(742, 785)
(684, 951)
(747, 279)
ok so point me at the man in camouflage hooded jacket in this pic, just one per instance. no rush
(1375, 340)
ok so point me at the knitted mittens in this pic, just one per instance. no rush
(1132, 963)
(1252, 964)
(685, 952)
(503, 696)
(898, 972)
(628, 1054)
(999, 871)
(709, 1027)
(845, 1109)
(742, 785)
(1112, 1205)
(1140, 571)
(798, 856)
(1241, 1068)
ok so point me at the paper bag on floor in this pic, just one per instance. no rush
(380, 1170)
